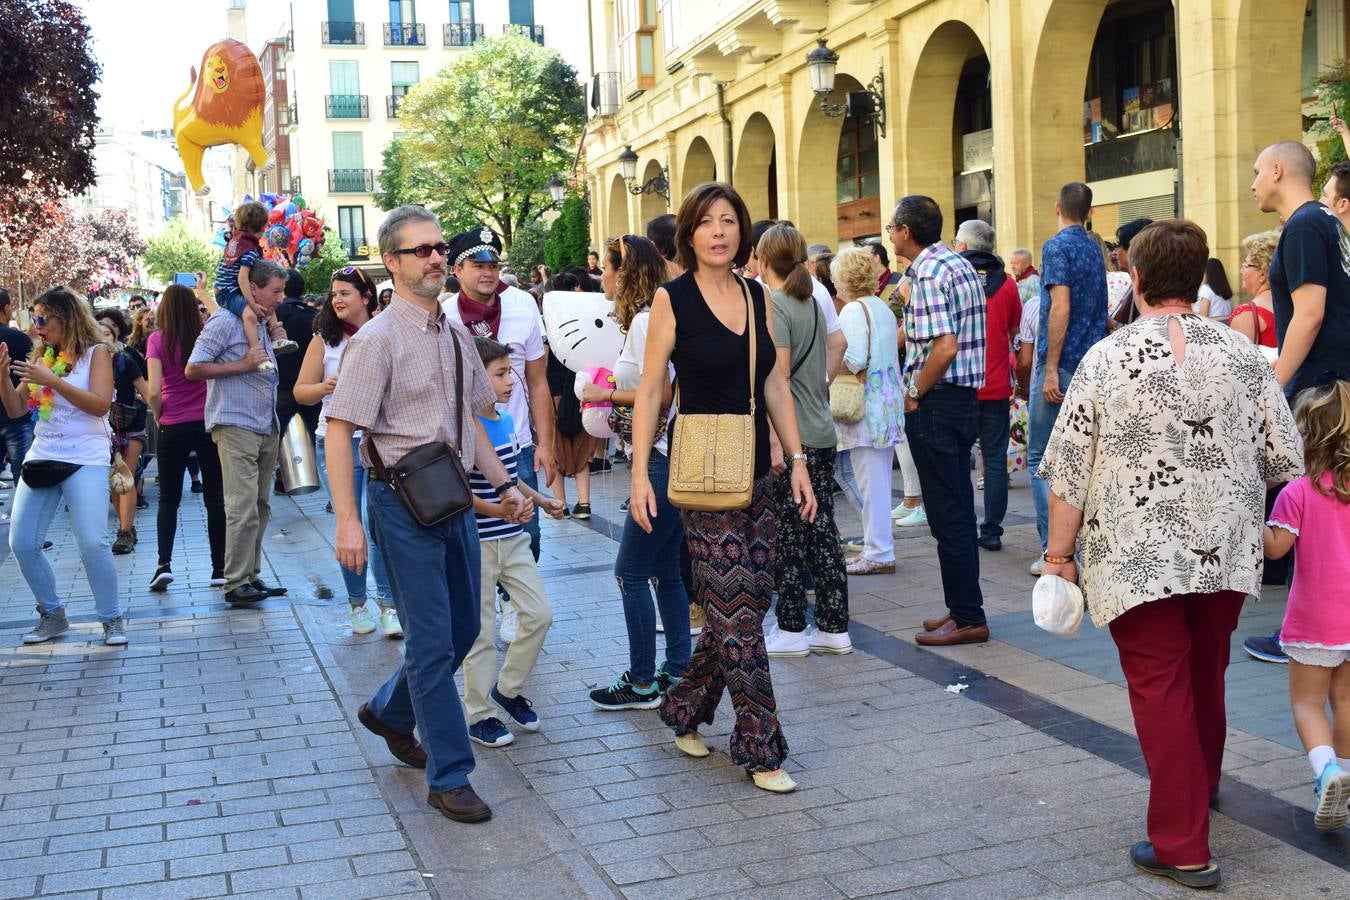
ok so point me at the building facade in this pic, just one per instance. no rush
(989, 106)
(350, 62)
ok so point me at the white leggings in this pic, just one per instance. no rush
(909, 476)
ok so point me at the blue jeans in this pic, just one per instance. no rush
(356, 584)
(1041, 416)
(642, 557)
(85, 493)
(994, 429)
(941, 432)
(435, 576)
(843, 473)
(15, 439)
(525, 472)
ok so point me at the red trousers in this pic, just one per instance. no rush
(1174, 652)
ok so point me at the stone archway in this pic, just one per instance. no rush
(616, 221)
(699, 166)
(930, 160)
(653, 204)
(816, 213)
(755, 177)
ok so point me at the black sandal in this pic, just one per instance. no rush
(1141, 854)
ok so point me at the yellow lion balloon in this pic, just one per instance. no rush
(226, 109)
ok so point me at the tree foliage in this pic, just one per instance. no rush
(177, 249)
(1333, 93)
(331, 257)
(50, 109)
(90, 252)
(527, 250)
(482, 138)
(569, 238)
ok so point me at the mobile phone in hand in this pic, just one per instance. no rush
(186, 279)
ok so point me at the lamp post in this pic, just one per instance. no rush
(658, 184)
(869, 104)
(557, 189)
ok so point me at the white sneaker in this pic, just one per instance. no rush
(1037, 566)
(510, 626)
(915, 516)
(849, 546)
(781, 643)
(389, 623)
(362, 623)
(828, 641)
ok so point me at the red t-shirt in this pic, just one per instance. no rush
(1002, 312)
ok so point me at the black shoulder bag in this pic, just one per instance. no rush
(430, 479)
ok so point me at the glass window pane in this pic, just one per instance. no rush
(871, 185)
(646, 55)
(403, 73)
(867, 160)
(847, 167)
(847, 191)
(848, 141)
(867, 137)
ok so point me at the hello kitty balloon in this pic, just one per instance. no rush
(585, 336)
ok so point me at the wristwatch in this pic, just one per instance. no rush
(501, 489)
(913, 392)
(793, 457)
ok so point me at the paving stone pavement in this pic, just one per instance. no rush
(218, 754)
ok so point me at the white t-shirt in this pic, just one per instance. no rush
(628, 367)
(522, 330)
(822, 298)
(1031, 321)
(70, 434)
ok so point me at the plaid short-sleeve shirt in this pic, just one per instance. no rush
(397, 383)
(946, 297)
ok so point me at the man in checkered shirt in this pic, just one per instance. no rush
(944, 370)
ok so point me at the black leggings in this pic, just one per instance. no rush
(176, 443)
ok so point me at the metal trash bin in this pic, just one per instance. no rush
(299, 465)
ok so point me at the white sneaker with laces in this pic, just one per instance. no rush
(915, 516)
(389, 623)
(780, 643)
(828, 641)
(1037, 566)
(362, 622)
(510, 626)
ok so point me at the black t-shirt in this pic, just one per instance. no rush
(298, 320)
(20, 345)
(1314, 249)
(128, 413)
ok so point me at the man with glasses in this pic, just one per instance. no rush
(393, 385)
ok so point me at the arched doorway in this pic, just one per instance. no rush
(838, 188)
(616, 223)
(653, 204)
(756, 174)
(699, 166)
(949, 125)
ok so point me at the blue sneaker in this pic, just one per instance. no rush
(490, 732)
(519, 709)
(665, 681)
(1265, 647)
(1333, 794)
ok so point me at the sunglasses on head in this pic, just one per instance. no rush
(422, 251)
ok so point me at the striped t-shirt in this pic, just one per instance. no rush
(502, 432)
(242, 250)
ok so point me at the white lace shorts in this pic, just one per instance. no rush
(1316, 656)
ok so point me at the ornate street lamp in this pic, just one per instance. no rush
(867, 105)
(557, 189)
(658, 184)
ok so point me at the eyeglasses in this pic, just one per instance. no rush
(422, 251)
(891, 227)
(40, 321)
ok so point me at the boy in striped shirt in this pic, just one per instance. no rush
(506, 560)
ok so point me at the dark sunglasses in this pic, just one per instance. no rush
(422, 251)
(40, 321)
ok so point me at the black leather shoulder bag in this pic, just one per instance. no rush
(430, 479)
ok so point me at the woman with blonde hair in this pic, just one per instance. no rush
(1255, 319)
(873, 356)
(799, 335)
(68, 382)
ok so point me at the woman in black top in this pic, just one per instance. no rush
(698, 322)
(131, 393)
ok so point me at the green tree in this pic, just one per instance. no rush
(1333, 95)
(331, 257)
(482, 138)
(569, 238)
(177, 249)
(527, 250)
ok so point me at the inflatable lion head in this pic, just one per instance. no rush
(230, 85)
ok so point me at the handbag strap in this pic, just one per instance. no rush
(750, 329)
(861, 374)
(377, 463)
(815, 330)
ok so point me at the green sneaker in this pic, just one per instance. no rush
(362, 621)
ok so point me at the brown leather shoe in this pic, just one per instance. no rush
(404, 747)
(460, 804)
(935, 624)
(951, 633)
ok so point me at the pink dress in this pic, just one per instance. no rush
(1318, 614)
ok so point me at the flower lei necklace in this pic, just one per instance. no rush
(40, 397)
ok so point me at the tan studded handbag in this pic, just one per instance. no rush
(712, 455)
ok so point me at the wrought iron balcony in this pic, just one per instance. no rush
(392, 103)
(351, 181)
(352, 34)
(346, 106)
(405, 34)
(533, 32)
(295, 185)
(290, 41)
(292, 115)
(462, 35)
(605, 93)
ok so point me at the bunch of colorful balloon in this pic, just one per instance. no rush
(294, 233)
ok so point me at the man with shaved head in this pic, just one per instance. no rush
(1310, 272)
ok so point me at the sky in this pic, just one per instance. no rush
(147, 47)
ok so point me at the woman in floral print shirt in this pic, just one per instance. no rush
(1158, 466)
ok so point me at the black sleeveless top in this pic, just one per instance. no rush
(712, 364)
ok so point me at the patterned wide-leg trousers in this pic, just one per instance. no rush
(798, 544)
(732, 554)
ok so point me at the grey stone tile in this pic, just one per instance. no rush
(696, 885)
(112, 876)
(320, 872)
(881, 879)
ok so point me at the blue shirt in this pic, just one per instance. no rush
(247, 400)
(501, 431)
(946, 296)
(1073, 260)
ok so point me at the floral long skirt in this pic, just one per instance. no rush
(732, 555)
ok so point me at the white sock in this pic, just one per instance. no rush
(1319, 757)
